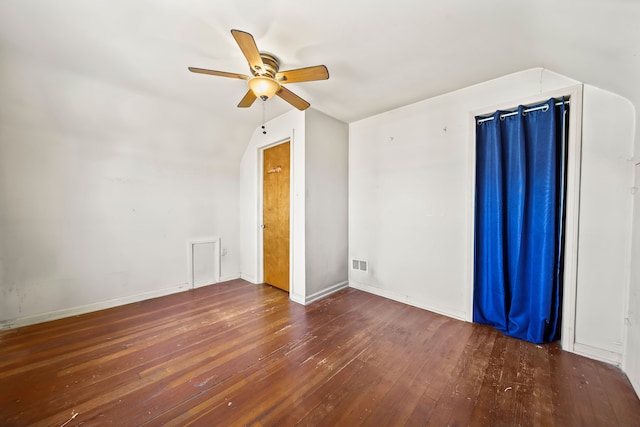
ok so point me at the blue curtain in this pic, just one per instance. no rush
(519, 218)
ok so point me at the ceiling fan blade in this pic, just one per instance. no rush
(319, 72)
(292, 98)
(218, 73)
(247, 100)
(249, 49)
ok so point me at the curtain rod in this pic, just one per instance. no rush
(513, 113)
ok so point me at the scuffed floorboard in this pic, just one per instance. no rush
(240, 354)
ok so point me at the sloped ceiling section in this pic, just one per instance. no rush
(68, 63)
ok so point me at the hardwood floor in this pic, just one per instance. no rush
(240, 354)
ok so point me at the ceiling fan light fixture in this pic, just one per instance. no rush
(267, 78)
(263, 87)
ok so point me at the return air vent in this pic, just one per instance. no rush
(359, 264)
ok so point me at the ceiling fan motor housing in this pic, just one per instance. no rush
(271, 66)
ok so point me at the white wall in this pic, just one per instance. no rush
(318, 205)
(408, 191)
(605, 218)
(98, 197)
(408, 186)
(326, 168)
(288, 127)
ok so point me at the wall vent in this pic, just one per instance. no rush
(359, 264)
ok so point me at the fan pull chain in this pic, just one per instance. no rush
(264, 106)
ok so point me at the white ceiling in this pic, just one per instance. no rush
(380, 55)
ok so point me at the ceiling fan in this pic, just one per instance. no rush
(266, 80)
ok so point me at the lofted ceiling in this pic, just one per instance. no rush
(84, 66)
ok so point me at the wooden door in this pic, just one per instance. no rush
(275, 215)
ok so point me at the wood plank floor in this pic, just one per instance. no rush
(241, 354)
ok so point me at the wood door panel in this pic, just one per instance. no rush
(275, 216)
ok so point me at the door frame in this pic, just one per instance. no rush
(260, 258)
(631, 325)
(572, 204)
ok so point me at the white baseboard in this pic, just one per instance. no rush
(327, 291)
(230, 277)
(248, 278)
(607, 356)
(456, 314)
(636, 386)
(75, 311)
(296, 298)
(318, 295)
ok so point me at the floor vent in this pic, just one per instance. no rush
(359, 264)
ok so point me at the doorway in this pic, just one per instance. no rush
(520, 211)
(276, 178)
